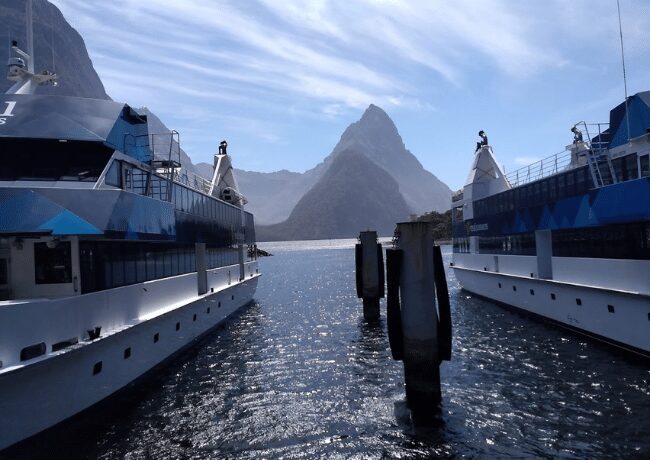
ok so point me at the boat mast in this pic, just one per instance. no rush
(21, 64)
(620, 32)
(30, 35)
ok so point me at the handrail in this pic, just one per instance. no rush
(561, 161)
(540, 169)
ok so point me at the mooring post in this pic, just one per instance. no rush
(369, 264)
(419, 318)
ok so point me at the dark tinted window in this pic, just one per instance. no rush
(645, 165)
(52, 265)
(31, 159)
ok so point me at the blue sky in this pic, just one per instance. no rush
(280, 80)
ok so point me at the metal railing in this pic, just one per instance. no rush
(594, 141)
(192, 180)
(540, 169)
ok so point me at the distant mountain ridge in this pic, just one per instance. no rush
(57, 47)
(272, 196)
(353, 194)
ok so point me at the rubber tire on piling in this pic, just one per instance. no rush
(393, 310)
(444, 307)
(380, 266)
(358, 264)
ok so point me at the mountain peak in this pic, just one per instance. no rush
(375, 114)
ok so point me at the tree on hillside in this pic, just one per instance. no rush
(441, 224)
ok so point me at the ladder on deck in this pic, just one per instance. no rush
(598, 159)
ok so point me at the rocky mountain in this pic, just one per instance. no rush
(377, 137)
(272, 196)
(57, 47)
(353, 194)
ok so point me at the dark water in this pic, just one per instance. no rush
(299, 375)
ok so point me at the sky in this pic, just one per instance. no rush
(280, 80)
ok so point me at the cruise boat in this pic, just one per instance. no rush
(112, 255)
(566, 238)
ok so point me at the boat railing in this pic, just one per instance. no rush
(457, 196)
(543, 168)
(162, 152)
(192, 180)
(594, 145)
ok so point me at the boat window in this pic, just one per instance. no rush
(626, 167)
(644, 163)
(112, 176)
(140, 179)
(458, 214)
(158, 188)
(52, 262)
(3, 271)
(52, 160)
(631, 166)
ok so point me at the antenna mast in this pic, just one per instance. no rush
(620, 32)
(21, 66)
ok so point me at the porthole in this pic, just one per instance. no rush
(32, 351)
(156, 337)
(578, 301)
(532, 292)
(232, 297)
(178, 326)
(610, 308)
(219, 304)
(514, 288)
(64, 344)
(208, 311)
(194, 317)
(552, 296)
(127, 353)
(499, 285)
(97, 368)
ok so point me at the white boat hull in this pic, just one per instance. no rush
(617, 317)
(37, 396)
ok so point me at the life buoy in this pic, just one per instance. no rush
(358, 264)
(444, 307)
(393, 310)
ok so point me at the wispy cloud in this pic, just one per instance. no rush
(259, 68)
(525, 161)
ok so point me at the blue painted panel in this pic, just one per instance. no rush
(619, 203)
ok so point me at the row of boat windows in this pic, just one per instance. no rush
(521, 244)
(623, 241)
(106, 265)
(620, 241)
(574, 182)
(571, 183)
(52, 160)
(626, 168)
